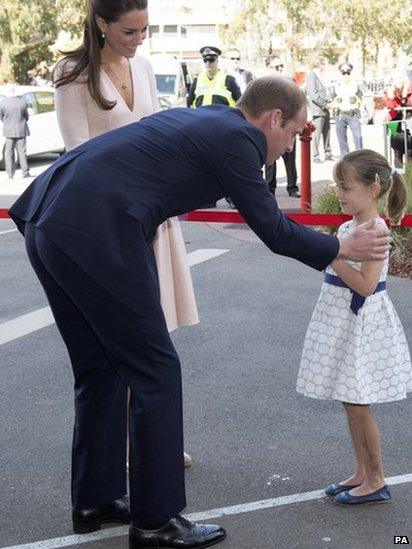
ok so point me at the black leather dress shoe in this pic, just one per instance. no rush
(178, 532)
(89, 520)
(294, 194)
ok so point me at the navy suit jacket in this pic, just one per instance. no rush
(91, 200)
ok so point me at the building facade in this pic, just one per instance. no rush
(181, 28)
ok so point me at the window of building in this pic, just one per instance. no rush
(196, 31)
(154, 31)
(170, 29)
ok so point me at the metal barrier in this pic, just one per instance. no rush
(233, 216)
(305, 217)
(390, 129)
(305, 168)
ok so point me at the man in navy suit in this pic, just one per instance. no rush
(88, 222)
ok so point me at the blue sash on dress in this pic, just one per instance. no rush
(357, 299)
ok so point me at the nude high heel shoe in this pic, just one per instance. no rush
(188, 460)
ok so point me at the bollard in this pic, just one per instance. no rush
(305, 177)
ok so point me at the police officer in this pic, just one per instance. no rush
(213, 86)
(347, 102)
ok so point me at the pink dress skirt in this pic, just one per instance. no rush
(176, 288)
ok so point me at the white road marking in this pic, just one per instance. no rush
(25, 324)
(219, 512)
(36, 320)
(204, 254)
(8, 231)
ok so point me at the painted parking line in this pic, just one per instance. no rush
(204, 254)
(36, 320)
(25, 324)
(219, 512)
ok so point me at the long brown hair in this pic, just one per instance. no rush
(368, 167)
(85, 61)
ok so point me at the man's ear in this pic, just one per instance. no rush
(275, 118)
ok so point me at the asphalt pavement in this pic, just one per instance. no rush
(262, 453)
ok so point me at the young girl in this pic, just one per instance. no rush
(355, 349)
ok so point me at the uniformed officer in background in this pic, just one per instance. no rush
(213, 86)
(347, 104)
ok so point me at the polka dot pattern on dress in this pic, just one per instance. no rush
(361, 359)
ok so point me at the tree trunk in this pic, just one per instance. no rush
(363, 49)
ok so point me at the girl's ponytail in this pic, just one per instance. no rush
(397, 198)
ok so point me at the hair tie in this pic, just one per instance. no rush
(394, 171)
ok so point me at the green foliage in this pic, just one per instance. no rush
(401, 255)
(327, 201)
(256, 17)
(27, 30)
(369, 23)
(333, 26)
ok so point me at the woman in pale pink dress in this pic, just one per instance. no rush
(104, 85)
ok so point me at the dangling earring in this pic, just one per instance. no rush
(103, 35)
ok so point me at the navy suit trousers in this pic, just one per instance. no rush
(111, 348)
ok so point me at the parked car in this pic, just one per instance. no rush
(44, 131)
(164, 103)
(173, 78)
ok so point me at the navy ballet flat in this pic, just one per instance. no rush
(382, 495)
(334, 489)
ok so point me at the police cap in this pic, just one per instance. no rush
(345, 68)
(210, 52)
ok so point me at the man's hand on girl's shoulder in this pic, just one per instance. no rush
(368, 242)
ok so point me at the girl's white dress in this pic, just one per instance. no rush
(360, 359)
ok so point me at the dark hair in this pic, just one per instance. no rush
(368, 167)
(272, 92)
(86, 59)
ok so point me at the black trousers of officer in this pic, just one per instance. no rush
(18, 144)
(289, 159)
(111, 348)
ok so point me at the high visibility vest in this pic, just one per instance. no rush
(208, 88)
